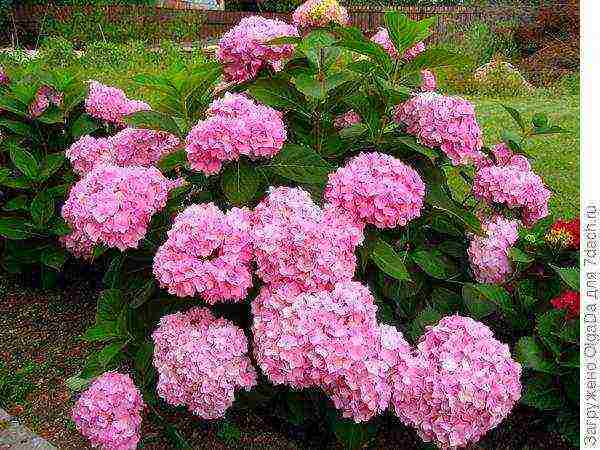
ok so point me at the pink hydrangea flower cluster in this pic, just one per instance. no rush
(114, 205)
(382, 37)
(462, 383)
(4, 79)
(378, 189)
(428, 81)
(489, 254)
(512, 182)
(235, 125)
(88, 152)
(329, 340)
(207, 253)
(129, 147)
(295, 241)
(201, 361)
(109, 412)
(44, 97)
(320, 13)
(347, 119)
(244, 49)
(111, 104)
(446, 122)
(78, 244)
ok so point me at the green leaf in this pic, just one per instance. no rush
(385, 257)
(240, 183)
(433, 263)
(478, 305)
(540, 393)
(516, 115)
(42, 208)
(319, 50)
(353, 436)
(113, 273)
(143, 358)
(301, 164)
(172, 160)
(319, 88)
(14, 228)
(110, 305)
(428, 316)
(518, 255)
(102, 332)
(153, 120)
(412, 144)
(279, 94)
(445, 301)
(498, 295)
(570, 275)
(530, 353)
(24, 161)
(368, 48)
(110, 352)
(77, 384)
(59, 227)
(84, 125)
(54, 257)
(548, 327)
(403, 31)
(540, 120)
(439, 200)
(19, 203)
(433, 58)
(18, 128)
(51, 165)
(143, 294)
(52, 115)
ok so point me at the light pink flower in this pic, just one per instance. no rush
(329, 340)
(235, 126)
(378, 189)
(111, 104)
(297, 242)
(428, 82)
(89, 152)
(320, 13)
(489, 254)
(207, 253)
(129, 147)
(512, 182)
(114, 205)
(446, 122)
(4, 79)
(78, 244)
(462, 383)
(347, 120)
(201, 361)
(44, 97)
(244, 49)
(109, 412)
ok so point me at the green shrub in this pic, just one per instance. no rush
(34, 177)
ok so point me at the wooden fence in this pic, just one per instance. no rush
(28, 22)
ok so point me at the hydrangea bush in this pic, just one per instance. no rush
(278, 229)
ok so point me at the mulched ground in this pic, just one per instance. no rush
(39, 349)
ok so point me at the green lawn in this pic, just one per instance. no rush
(556, 156)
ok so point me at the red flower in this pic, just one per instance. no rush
(568, 300)
(565, 233)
